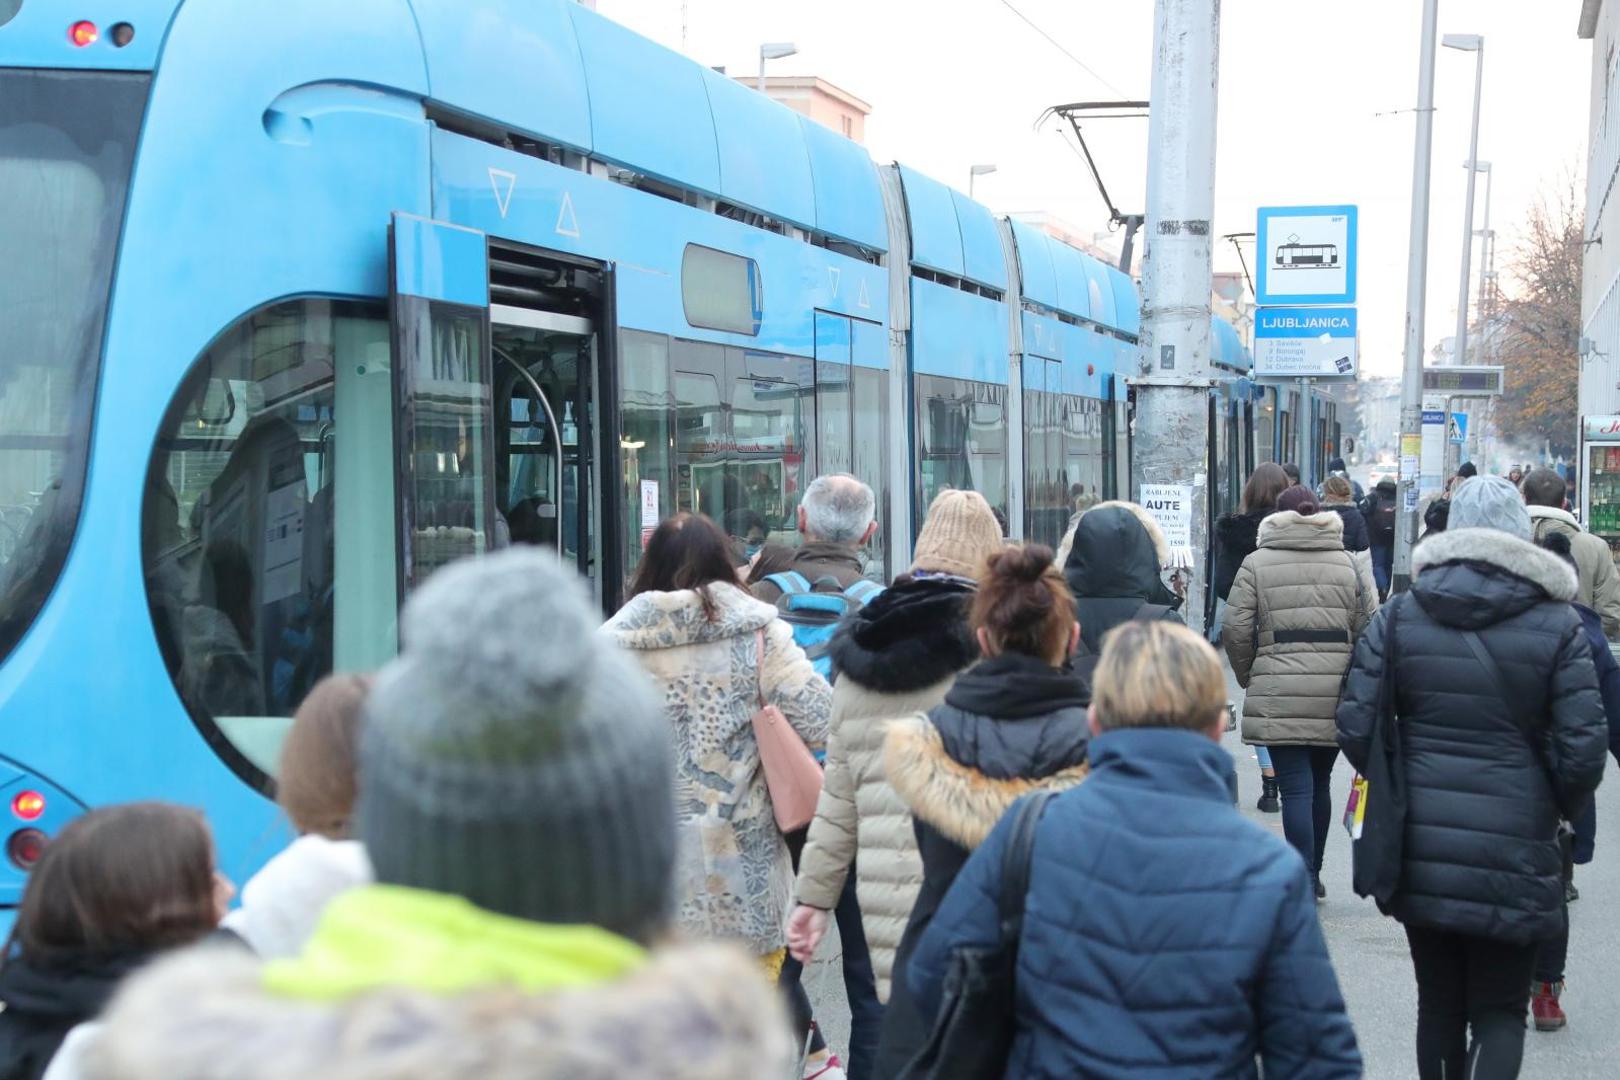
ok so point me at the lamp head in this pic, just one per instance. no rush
(982, 170)
(776, 50)
(1465, 42)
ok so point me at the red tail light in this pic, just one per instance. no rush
(83, 33)
(28, 805)
(25, 847)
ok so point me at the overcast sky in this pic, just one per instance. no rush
(1316, 106)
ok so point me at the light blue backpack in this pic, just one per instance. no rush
(814, 610)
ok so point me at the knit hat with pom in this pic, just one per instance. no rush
(513, 757)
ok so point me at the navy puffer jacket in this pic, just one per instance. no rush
(1165, 935)
(1488, 779)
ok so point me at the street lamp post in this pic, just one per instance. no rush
(772, 50)
(975, 172)
(1416, 279)
(1478, 435)
(1475, 44)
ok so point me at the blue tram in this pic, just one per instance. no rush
(299, 305)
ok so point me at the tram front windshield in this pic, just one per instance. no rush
(67, 140)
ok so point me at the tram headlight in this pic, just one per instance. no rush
(25, 847)
(83, 33)
(28, 805)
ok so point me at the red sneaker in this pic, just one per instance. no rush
(1544, 1007)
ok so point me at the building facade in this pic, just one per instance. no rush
(1600, 276)
(826, 104)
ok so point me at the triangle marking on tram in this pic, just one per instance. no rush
(502, 183)
(567, 220)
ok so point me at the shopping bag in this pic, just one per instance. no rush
(1355, 810)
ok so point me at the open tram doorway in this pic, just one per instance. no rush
(550, 405)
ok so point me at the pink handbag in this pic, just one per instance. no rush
(792, 775)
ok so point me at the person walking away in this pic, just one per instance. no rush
(716, 654)
(1578, 837)
(114, 889)
(1113, 571)
(1237, 536)
(1164, 934)
(1336, 467)
(1502, 734)
(516, 801)
(837, 516)
(895, 658)
(1298, 605)
(1378, 510)
(1337, 499)
(1291, 471)
(316, 786)
(1597, 582)
(1013, 723)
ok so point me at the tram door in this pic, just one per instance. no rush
(497, 362)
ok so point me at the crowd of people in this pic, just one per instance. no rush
(536, 845)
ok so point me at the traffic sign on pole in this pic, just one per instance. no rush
(1306, 255)
(1299, 342)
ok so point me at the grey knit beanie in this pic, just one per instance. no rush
(513, 757)
(1489, 502)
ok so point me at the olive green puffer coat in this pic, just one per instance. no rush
(1296, 609)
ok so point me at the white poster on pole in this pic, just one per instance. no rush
(1171, 506)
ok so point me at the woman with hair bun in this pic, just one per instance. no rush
(1011, 724)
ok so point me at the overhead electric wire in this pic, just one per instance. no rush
(1087, 68)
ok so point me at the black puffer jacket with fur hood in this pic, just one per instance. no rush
(1009, 726)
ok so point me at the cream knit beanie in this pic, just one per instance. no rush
(959, 533)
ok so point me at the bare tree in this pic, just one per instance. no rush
(1538, 330)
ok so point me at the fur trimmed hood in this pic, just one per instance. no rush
(960, 801)
(1291, 531)
(693, 1012)
(1553, 514)
(911, 635)
(1498, 549)
(662, 620)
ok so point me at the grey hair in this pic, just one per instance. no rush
(838, 508)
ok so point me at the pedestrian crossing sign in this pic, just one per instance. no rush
(1457, 429)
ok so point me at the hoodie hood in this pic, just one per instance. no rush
(1291, 531)
(1473, 578)
(909, 636)
(1118, 550)
(663, 620)
(700, 1012)
(64, 993)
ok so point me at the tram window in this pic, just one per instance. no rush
(773, 417)
(646, 432)
(721, 291)
(1082, 435)
(702, 430)
(870, 451)
(834, 450)
(259, 581)
(66, 143)
(962, 438)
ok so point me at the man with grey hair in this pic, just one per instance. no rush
(836, 519)
(1599, 585)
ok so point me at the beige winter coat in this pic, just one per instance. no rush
(733, 876)
(1599, 587)
(861, 819)
(1296, 609)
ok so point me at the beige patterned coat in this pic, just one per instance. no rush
(734, 878)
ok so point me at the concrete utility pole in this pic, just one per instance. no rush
(1171, 444)
(1417, 272)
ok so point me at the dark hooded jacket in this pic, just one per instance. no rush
(1010, 725)
(43, 1003)
(1113, 569)
(894, 658)
(1236, 537)
(1355, 526)
(1490, 772)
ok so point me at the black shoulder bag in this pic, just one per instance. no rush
(972, 1035)
(1377, 856)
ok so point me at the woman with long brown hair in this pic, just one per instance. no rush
(1012, 723)
(113, 889)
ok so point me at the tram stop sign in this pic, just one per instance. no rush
(1305, 255)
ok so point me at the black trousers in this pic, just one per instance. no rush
(1464, 983)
